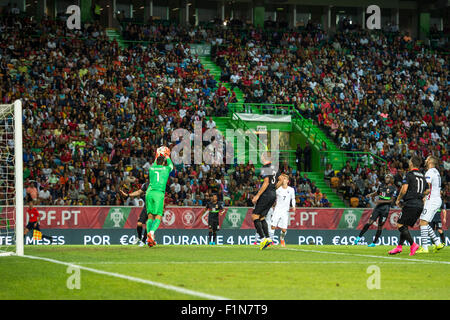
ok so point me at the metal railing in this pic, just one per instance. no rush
(261, 108)
(338, 159)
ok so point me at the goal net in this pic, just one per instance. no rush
(11, 179)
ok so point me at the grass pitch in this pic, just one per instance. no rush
(224, 272)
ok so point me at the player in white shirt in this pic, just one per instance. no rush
(432, 204)
(280, 217)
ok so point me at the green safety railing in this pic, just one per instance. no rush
(333, 155)
(313, 134)
(261, 108)
(338, 159)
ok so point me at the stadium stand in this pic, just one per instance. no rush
(95, 111)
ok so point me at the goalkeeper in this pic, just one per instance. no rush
(154, 197)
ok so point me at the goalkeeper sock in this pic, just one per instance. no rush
(155, 225)
(149, 224)
(210, 236)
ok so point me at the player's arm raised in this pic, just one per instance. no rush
(279, 182)
(169, 163)
(136, 193)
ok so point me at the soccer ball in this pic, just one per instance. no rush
(163, 151)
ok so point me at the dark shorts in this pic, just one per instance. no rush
(30, 226)
(381, 213)
(410, 215)
(264, 203)
(213, 221)
(143, 217)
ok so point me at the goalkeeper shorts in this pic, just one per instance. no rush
(154, 201)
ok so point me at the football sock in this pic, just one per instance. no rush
(433, 235)
(424, 237)
(364, 229)
(271, 233)
(210, 236)
(149, 224)
(258, 227)
(155, 224)
(265, 228)
(377, 235)
(139, 231)
(214, 236)
(282, 235)
(442, 236)
(405, 235)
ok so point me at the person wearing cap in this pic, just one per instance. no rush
(386, 194)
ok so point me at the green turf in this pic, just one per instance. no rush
(233, 272)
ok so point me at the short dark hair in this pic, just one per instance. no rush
(416, 161)
(160, 160)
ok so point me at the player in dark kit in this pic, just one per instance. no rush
(412, 192)
(140, 228)
(264, 200)
(386, 194)
(215, 209)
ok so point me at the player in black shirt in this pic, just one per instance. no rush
(215, 209)
(412, 192)
(143, 217)
(386, 194)
(264, 200)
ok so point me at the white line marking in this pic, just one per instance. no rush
(366, 255)
(243, 262)
(130, 278)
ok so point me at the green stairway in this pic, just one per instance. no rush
(216, 71)
(318, 179)
(305, 126)
(316, 136)
(114, 34)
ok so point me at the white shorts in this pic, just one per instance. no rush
(280, 218)
(430, 208)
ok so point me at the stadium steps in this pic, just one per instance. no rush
(113, 34)
(222, 123)
(336, 162)
(319, 181)
(216, 72)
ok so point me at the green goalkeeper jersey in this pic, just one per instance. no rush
(158, 176)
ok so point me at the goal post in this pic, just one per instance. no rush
(11, 180)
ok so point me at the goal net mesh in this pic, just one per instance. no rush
(7, 180)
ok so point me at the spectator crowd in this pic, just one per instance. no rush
(95, 113)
